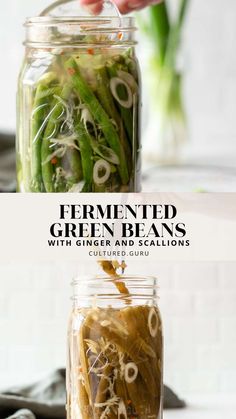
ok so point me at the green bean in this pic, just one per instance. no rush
(75, 95)
(102, 390)
(137, 325)
(109, 339)
(83, 334)
(131, 317)
(126, 114)
(86, 153)
(56, 111)
(43, 94)
(74, 159)
(104, 94)
(99, 188)
(132, 348)
(132, 65)
(143, 401)
(157, 345)
(38, 113)
(89, 99)
(109, 269)
(137, 392)
(121, 389)
(84, 401)
(106, 99)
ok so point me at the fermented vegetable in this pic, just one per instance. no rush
(80, 124)
(118, 362)
(115, 355)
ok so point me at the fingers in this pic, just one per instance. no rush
(96, 8)
(93, 6)
(125, 6)
(128, 6)
(131, 5)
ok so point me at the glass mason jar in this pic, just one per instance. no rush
(79, 106)
(115, 356)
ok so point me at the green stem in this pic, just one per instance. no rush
(182, 12)
(175, 36)
(166, 35)
(160, 28)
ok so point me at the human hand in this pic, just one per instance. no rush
(124, 6)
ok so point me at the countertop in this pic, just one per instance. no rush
(206, 407)
(189, 178)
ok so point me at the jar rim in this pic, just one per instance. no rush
(90, 279)
(124, 21)
(104, 287)
(40, 30)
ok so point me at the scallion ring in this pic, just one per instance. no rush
(131, 372)
(153, 322)
(114, 83)
(101, 172)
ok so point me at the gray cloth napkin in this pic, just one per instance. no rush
(46, 399)
(22, 414)
(7, 163)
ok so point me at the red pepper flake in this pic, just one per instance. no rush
(120, 35)
(71, 71)
(90, 51)
(54, 160)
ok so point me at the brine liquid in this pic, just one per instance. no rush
(115, 363)
(78, 121)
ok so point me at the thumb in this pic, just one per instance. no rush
(128, 6)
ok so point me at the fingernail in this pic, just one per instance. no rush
(94, 9)
(135, 4)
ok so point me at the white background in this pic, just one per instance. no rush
(209, 62)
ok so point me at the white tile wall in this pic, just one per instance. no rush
(210, 63)
(33, 320)
(197, 301)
